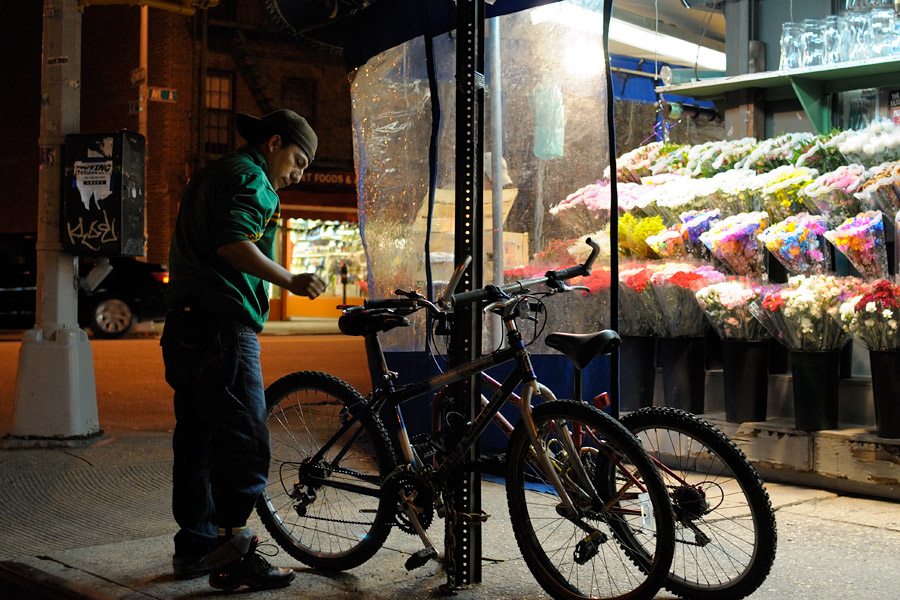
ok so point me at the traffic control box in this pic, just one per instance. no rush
(102, 200)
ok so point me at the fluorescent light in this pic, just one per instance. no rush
(666, 47)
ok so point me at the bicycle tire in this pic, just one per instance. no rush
(324, 526)
(550, 542)
(739, 523)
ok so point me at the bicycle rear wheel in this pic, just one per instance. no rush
(619, 542)
(327, 512)
(725, 528)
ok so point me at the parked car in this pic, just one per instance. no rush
(131, 293)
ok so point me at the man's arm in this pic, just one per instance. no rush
(247, 258)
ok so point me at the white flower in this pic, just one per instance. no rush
(892, 324)
(887, 313)
(870, 307)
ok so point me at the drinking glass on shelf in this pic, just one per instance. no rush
(813, 44)
(790, 46)
(858, 35)
(881, 32)
(834, 47)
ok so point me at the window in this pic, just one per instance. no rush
(219, 113)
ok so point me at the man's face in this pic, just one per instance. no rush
(286, 162)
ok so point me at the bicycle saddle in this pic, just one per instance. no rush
(581, 348)
(370, 321)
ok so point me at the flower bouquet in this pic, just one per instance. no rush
(803, 315)
(668, 243)
(832, 194)
(583, 209)
(822, 155)
(735, 192)
(779, 151)
(861, 240)
(734, 241)
(676, 197)
(695, 223)
(633, 234)
(873, 317)
(878, 143)
(673, 289)
(781, 194)
(637, 316)
(637, 163)
(727, 306)
(881, 189)
(798, 243)
(631, 198)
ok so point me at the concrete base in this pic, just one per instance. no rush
(848, 459)
(56, 397)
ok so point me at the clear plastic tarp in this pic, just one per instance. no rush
(553, 138)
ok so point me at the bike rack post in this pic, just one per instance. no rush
(463, 540)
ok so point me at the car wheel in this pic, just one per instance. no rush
(111, 318)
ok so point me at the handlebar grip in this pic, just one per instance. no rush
(584, 270)
(471, 296)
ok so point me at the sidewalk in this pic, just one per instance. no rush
(94, 522)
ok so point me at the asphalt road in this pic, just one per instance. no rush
(132, 392)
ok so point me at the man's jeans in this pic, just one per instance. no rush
(221, 440)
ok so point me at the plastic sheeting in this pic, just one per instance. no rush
(553, 144)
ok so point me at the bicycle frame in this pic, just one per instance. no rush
(387, 394)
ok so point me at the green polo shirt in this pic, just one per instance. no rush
(230, 200)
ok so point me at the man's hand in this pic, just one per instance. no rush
(306, 284)
(246, 257)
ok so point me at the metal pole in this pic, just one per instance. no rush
(463, 540)
(496, 165)
(56, 397)
(144, 101)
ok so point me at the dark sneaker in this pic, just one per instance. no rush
(188, 567)
(251, 570)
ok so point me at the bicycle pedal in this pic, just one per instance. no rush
(420, 558)
(423, 446)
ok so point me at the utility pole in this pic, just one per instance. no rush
(56, 397)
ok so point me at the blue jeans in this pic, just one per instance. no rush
(221, 439)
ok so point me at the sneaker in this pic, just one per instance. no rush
(251, 570)
(188, 567)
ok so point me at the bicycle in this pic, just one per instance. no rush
(725, 529)
(588, 507)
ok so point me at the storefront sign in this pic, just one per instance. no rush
(895, 106)
(329, 181)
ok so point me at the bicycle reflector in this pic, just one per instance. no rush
(601, 400)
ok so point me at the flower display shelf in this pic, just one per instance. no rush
(809, 84)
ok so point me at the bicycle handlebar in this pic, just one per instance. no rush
(414, 302)
(493, 292)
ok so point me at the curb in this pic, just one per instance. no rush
(18, 580)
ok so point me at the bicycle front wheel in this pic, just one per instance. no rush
(725, 529)
(323, 501)
(616, 538)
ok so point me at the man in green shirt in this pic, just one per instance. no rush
(220, 266)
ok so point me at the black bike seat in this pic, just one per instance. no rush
(581, 348)
(369, 322)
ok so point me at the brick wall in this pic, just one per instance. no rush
(110, 51)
